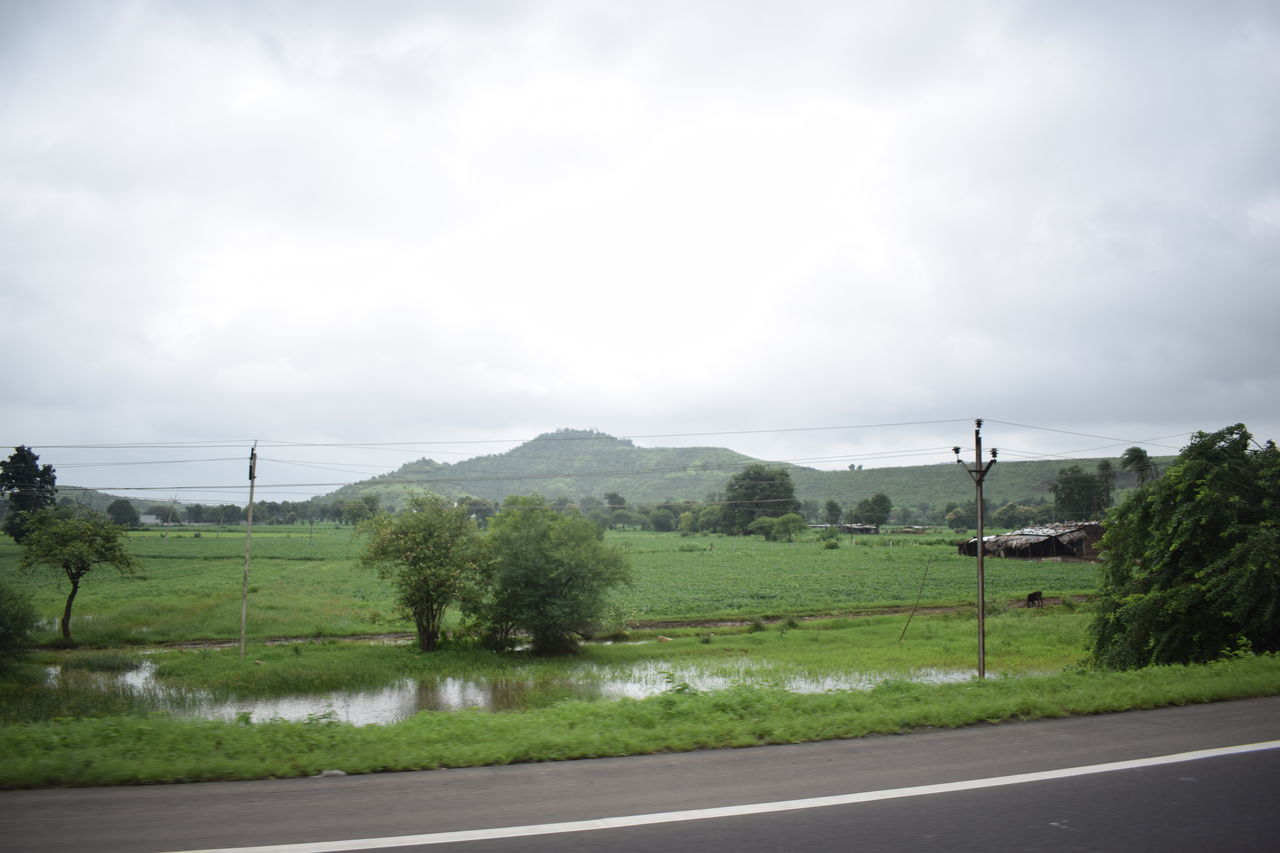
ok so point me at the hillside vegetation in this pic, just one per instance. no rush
(575, 464)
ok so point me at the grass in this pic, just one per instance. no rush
(306, 583)
(125, 750)
(84, 730)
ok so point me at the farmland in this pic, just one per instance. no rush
(745, 621)
(305, 582)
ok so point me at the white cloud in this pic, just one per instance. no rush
(400, 222)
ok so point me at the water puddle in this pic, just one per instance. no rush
(408, 696)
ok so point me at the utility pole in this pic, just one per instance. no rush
(169, 520)
(979, 473)
(248, 535)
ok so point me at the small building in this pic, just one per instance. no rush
(1077, 540)
(862, 529)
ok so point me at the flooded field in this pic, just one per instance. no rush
(408, 696)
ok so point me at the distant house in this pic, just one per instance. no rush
(1072, 539)
(860, 528)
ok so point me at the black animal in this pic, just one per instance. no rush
(1035, 599)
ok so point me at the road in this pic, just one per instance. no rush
(1225, 802)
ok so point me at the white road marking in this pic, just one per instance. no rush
(737, 811)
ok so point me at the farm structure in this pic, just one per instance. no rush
(1078, 540)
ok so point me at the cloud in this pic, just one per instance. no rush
(411, 222)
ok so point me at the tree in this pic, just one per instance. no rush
(432, 555)
(688, 523)
(832, 513)
(1137, 460)
(551, 575)
(123, 513)
(1191, 566)
(1079, 495)
(757, 491)
(662, 520)
(873, 510)
(29, 487)
(787, 527)
(76, 544)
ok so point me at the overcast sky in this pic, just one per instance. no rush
(452, 226)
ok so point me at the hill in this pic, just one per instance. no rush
(579, 463)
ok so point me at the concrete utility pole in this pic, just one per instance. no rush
(248, 535)
(979, 473)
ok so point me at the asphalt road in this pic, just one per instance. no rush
(1224, 803)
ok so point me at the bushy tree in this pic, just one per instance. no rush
(832, 512)
(873, 510)
(781, 529)
(29, 487)
(551, 575)
(18, 621)
(1079, 495)
(431, 552)
(1191, 566)
(123, 513)
(75, 543)
(757, 491)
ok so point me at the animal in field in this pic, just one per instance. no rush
(1035, 599)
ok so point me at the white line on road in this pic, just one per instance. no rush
(736, 811)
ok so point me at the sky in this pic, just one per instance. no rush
(834, 233)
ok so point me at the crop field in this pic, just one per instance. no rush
(722, 685)
(307, 583)
(744, 577)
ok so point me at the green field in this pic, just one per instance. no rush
(306, 583)
(740, 610)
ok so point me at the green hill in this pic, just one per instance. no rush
(577, 463)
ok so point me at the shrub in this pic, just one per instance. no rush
(18, 621)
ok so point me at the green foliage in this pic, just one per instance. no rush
(1080, 496)
(1137, 460)
(1013, 515)
(75, 544)
(757, 492)
(18, 620)
(1192, 559)
(123, 513)
(551, 576)
(431, 554)
(29, 488)
(873, 510)
(784, 528)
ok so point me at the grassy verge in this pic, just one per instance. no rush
(125, 750)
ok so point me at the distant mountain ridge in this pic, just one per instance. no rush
(579, 463)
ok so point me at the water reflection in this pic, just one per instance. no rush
(408, 696)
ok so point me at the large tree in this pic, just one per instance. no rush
(1079, 495)
(873, 510)
(551, 576)
(75, 543)
(757, 492)
(1192, 559)
(29, 487)
(431, 553)
(123, 513)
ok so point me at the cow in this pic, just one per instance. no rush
(1035, 599)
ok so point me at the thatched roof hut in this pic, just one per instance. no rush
(1072, 539)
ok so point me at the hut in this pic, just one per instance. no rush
(1077, 540)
